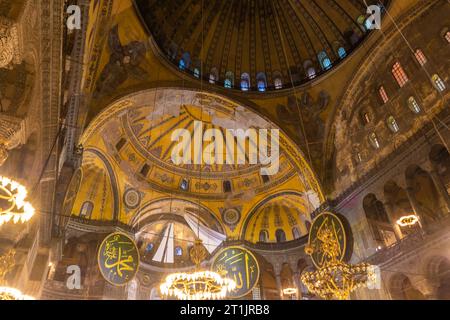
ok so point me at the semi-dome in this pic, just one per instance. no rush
(256, 45)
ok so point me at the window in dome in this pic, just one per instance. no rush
(420, 57)
(438, 83)
(399, 74)
(393, 125)
(184, 185)
(310, 70)
(342, 53)
(365, 117)
(181, 65)
(145, 170)
(325, 61)
(278, 83)
(263, 236)
(280, 235)
(261, 81)
(373, 139)
(120, 144)
(383, 94)
(197, 72)
(358, 157)
(245, 82)
(447, 36)
(295, 233)
(213, 76)
(86, 210)
(229, 77)
(414, 105)
(226, 186)
(178, 251)
(149, 247)
(311, 73)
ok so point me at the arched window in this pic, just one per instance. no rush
(184, 185)
(197, 72)
(263, 236)
(86, 210)
(414, 105)
(185, 61)
(229, 78)
(325, 61)
(149, 247)
(280, 235)
(311, 73)
(310, 70)
(181, 64)
(365, 117)
(438, 83)
(245, 82)
(420, 57)
(383, 94)
(213, 76)
(178, 251)
(399, 74)
(358, 157)
(373, 139)
(342, 52)
(447, 36)
(261, 82)
(278, 83)
(295, 233)
(392, 124)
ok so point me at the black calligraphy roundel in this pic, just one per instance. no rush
(240, 265)
(118, 259)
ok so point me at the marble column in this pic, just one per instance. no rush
(279, 286)
(415, 205)
(397, 231)
(296, 279)
(440, 187)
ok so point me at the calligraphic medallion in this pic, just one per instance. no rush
(240, 265)
(329, 229)
(118, 259)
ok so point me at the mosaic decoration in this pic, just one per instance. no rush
(132, 198)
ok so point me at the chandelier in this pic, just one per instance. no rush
(7, 293)
(408, 221)
(334, 278)
(337, 279)
(199, 285)
(12, 202)
(7, 263)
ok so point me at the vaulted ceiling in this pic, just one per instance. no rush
(274, 38)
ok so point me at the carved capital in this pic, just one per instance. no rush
(10, 52)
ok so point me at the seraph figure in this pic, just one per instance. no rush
(123, 62)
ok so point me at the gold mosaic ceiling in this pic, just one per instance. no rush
(267, 37)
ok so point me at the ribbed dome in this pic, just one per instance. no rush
(255, 43)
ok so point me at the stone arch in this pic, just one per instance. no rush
(378, 220)
(423, 191)
(401, 288)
